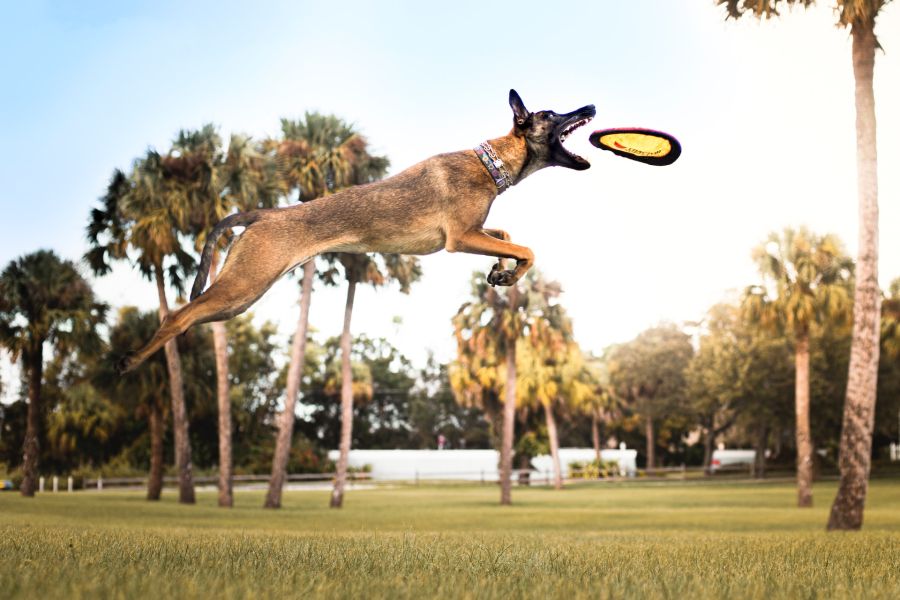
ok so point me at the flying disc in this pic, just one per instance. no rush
(643, 145)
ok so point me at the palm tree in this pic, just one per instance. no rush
(362, 268)
(44, 299)
(140, 220)
(213, 183)
(859, 408)
(551, 365)
(487, 330)
(597, 401)
(145, 390)
(809, 277)
(317, 156)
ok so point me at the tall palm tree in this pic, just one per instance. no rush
(316, 156)
(487, 330)
(44, 299)
(809, 279)
(362, 268)
(145, 390)
(859, 407)
(551, 366)
(214, 182)
(140, 221)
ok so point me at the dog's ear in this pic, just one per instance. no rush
(520, 113)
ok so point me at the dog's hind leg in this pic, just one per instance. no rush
(242, 281)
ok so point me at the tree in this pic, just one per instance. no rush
(213, 182)
(487, 329)
(859, 411)
(648, 374)
(317, 156)
(362, 268)
(714, 375)
(551, 366)
(809, 279)
(142, 393)
(140, 221)
(44, 299)
(596, 401)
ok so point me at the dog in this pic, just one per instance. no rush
(439, 203)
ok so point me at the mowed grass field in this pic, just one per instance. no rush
(639, 540)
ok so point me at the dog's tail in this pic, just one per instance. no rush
(235, 220)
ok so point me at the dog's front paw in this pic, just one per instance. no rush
(501, 277)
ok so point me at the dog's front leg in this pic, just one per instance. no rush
(481, 242)
(500, 235)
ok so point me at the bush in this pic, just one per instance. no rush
(595, 469)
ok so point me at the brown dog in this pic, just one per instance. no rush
(439, 203)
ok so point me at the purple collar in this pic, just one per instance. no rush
(495, 166)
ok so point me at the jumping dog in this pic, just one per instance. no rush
(439, 203)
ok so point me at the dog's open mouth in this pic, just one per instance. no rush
(569, 127)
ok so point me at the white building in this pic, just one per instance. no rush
(468, 465)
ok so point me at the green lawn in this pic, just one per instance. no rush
(605, 541)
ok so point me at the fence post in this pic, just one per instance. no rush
(417, 477)
(41, 484)
(99, 483)
(55, 484)
(71, 484)
(482, 477)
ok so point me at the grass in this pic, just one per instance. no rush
(601, 541)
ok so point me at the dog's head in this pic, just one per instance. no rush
(544, 132)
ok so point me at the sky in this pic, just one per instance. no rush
(764, 112)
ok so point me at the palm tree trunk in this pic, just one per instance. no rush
(223, 401)
(337, 495)
(709, 440)
(759, 461)
(157, 429)
(804, 440)
(34, 363)
(294, 375)
(859, 406)
(179, 413)
(651, 444)
(509, 412)
(595, 435)
(554, 446)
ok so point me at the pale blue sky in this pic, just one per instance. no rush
(764, 111)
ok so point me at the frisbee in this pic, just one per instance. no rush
(643, 145)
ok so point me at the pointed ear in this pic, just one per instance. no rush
(518, 107)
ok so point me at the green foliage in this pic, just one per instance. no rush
(648, 373)
(593, 469)
(44, 299)
(807, 279)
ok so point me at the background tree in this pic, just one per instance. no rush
(144, 392)
(714, 376)
(316, 156)
(859, 412)
(362, 268)
(140, 221)
(487, 329)
(213, 183)
(808, 276)
(44, 299)
(648, 374)
(549, 362)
